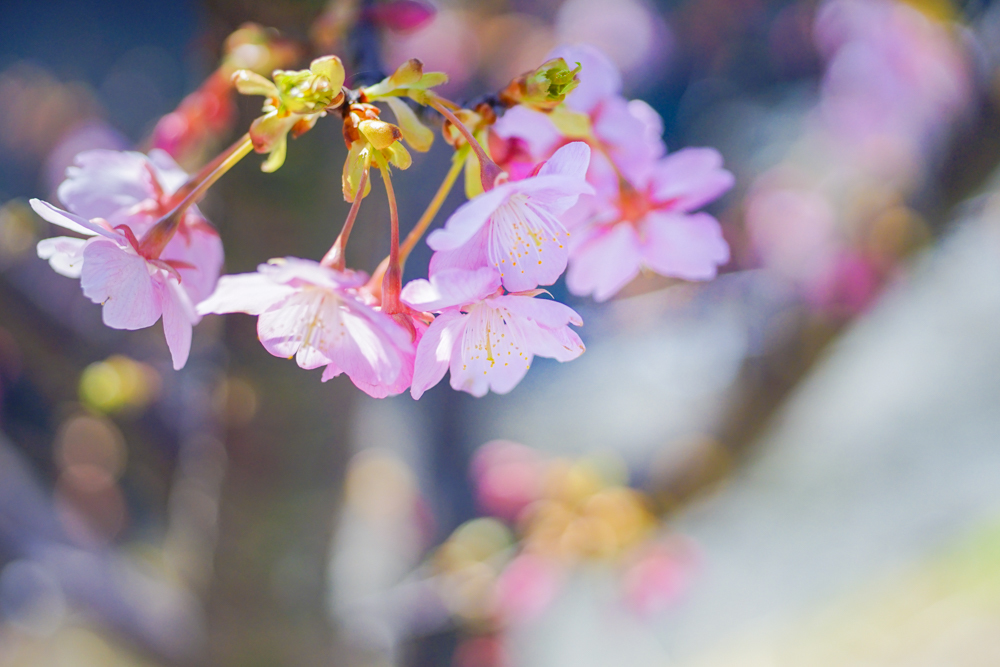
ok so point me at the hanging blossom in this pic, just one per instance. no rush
(642, 214)
(316, 314)
(486, 337)
(115, 198)
(653, 224)
(516, 227)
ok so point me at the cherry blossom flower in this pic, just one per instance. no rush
(487, 338)
(135, 190)
(135, 290)
(115, 197)
(653, 225)
(315, 314)
(516, 227)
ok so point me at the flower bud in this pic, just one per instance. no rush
(251, 83)
(331, 68)
(379, 133)
(544, 88)
(354, 166)
(268, 130)
(470, 119)
(410, 77)
(398, 156)
(407, 74)
(414, 132)
(304, 92)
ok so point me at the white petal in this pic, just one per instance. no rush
(64, 254)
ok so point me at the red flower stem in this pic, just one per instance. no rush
(153, 241)
(392, 284)
(418, 230)
(488, 169)
(335, 256)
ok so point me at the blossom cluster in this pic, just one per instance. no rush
(562, 174)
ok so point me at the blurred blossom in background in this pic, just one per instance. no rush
(797, 463)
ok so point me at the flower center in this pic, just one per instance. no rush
(519, 231)
(490, 339)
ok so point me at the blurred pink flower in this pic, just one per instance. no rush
(849, 285)
(891, 71)
(526, 587)
(314, 313)
(651, 224)
(516, 227)
(659, 575)
(487, 338)
(134, 290)
(508, 478)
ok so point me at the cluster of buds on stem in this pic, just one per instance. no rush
(295, 100)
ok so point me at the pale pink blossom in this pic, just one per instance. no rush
(653, 224)
(516, 226)
(487, 338)
(131, 189)
(134, 290)
(315, 314)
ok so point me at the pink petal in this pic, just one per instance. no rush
(632, 145)
(105, 182)
(454, 287)
(250, 293)
(605, 263)
(469, 256)
(303, 325)
(648, 116)
(562, 344)
(556, 192)
(546, 312)
(469, 218)
(599, 77)
(200, 246)
(571, 160)
(64, 254)
(435, 350)
(178, 317)
(120, 280)
(543, 326)
(295, 271)
(684, 246)
(690, 178)
(366, 353)
(72, 222)
(382, 389)
(533, 127)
